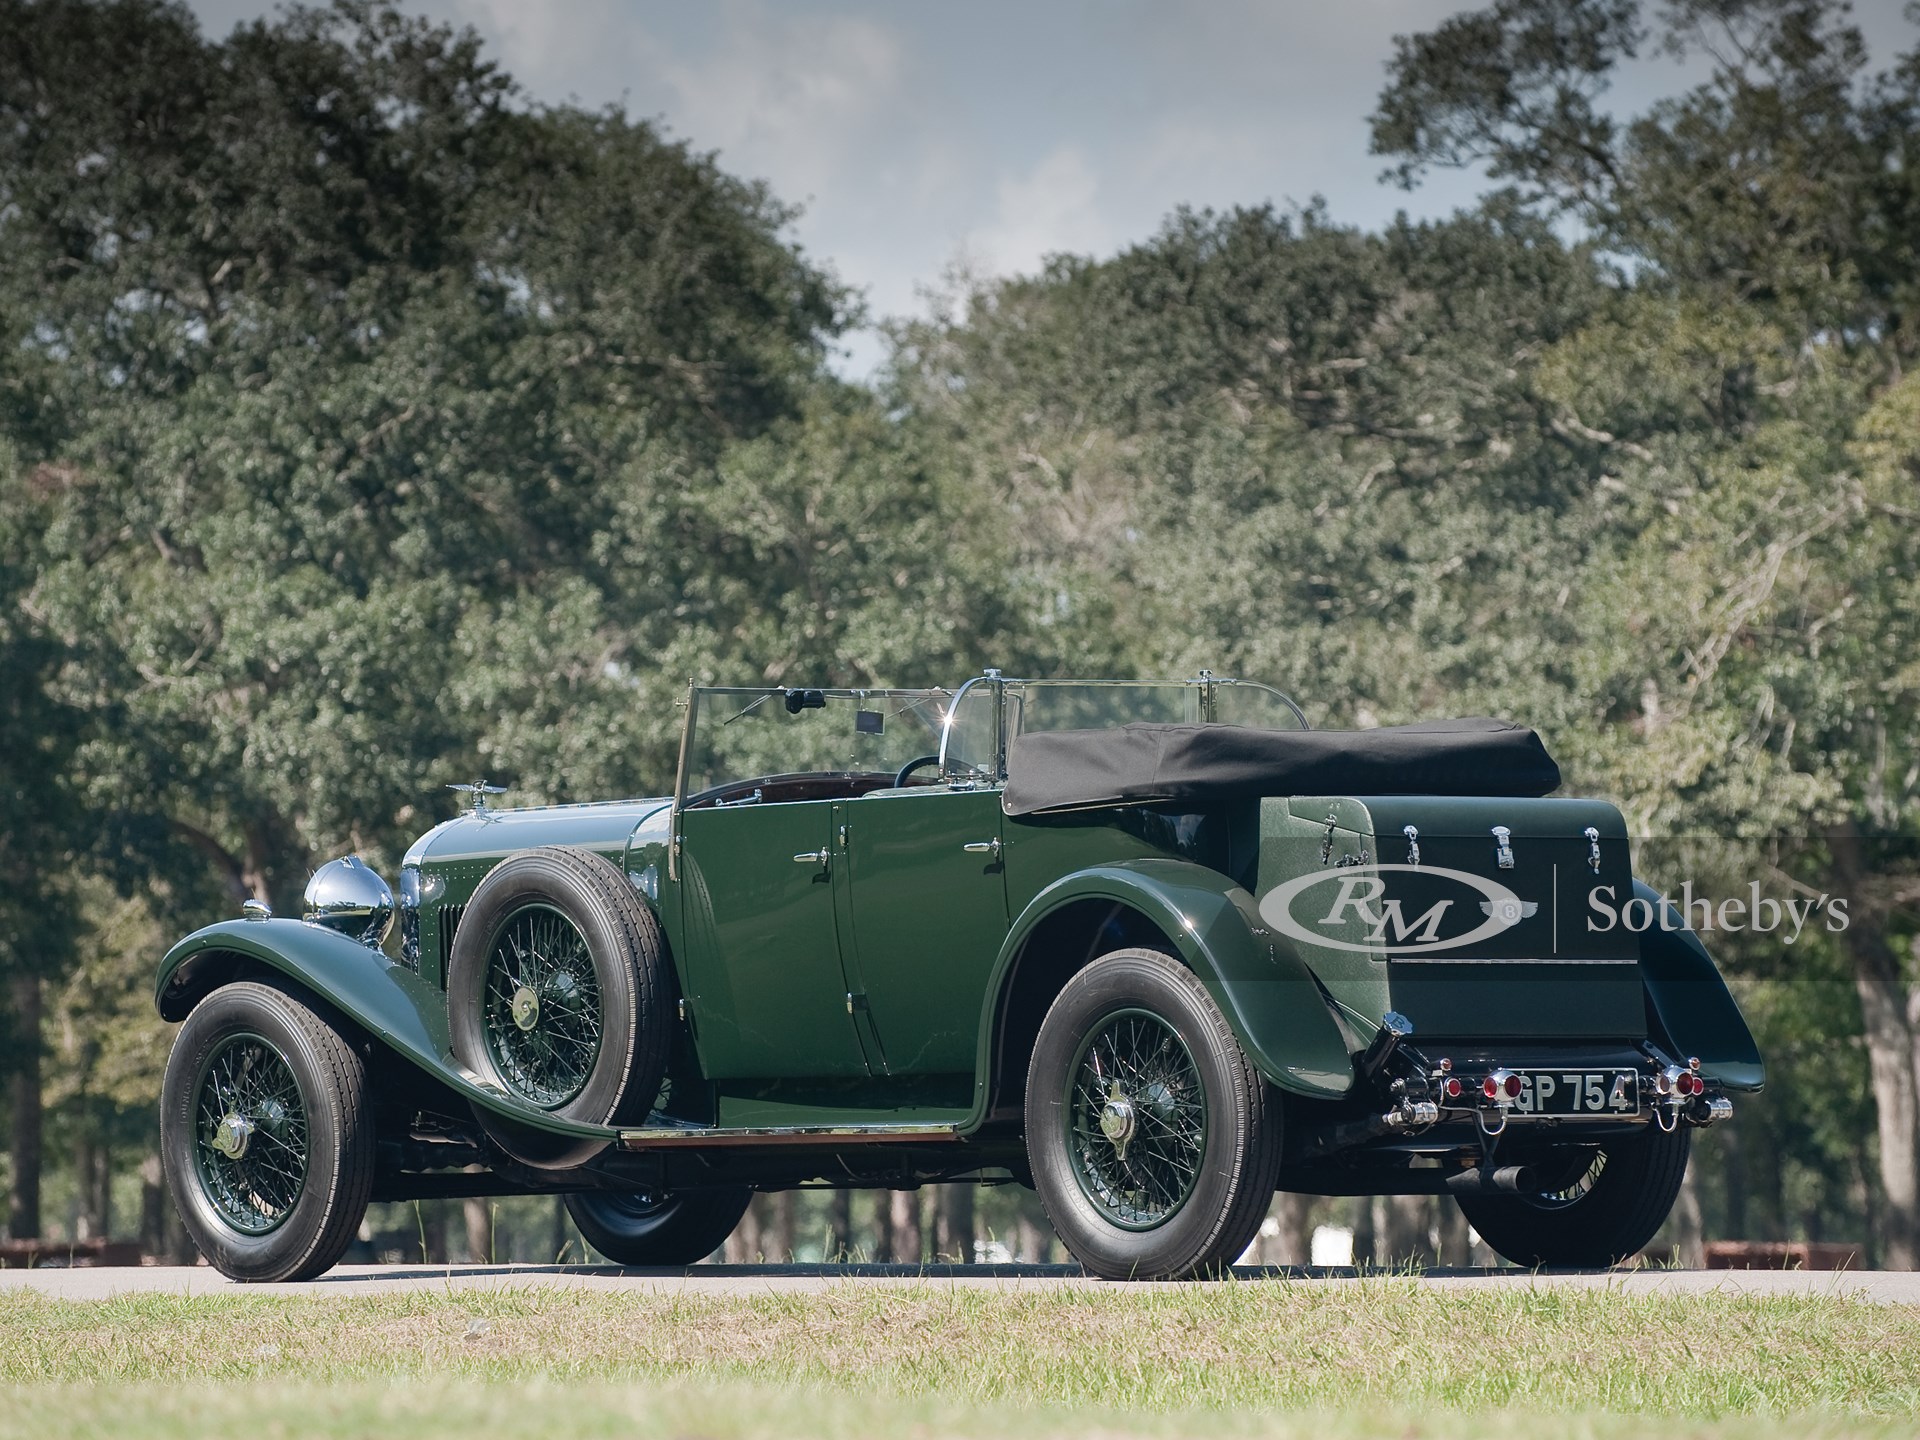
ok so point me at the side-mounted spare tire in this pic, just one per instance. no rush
(559, 989)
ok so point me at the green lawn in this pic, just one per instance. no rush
(1267, 1357)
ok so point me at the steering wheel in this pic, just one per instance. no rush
(911, 766)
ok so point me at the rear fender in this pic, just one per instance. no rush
(390, 1003)
(1276, 1009)
(1690, 1005)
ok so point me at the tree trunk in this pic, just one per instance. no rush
(153, 1209)
(563, 1239)
(1687, 1227)
(86, 1190)
(1409, 1230)
(883, 1227)
(1030, 1243)
(1884, 1000)
(839, 1225)
(776, 1238)
(745, 1246)
(433, 1231)
(1294, 1244)
(23, 1205)
(953, 1223)
(1453, 1233)
(275, 865)
(478, 1211)
(1365, 1231)
(905, 1227)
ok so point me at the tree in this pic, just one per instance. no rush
(355, 384)
(41, 834)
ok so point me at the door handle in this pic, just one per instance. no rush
(811, 857)
(983, 847)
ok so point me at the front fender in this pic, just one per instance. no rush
(1692, 1007)
(1275, 1007)
(389, 1002)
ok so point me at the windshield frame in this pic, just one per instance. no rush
(750, 695)
(1206, 684)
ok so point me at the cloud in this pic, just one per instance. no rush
(1052, 208)
(787, 95)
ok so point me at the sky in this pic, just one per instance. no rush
(927, 139)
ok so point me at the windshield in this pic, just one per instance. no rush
(744, 735)
(976, 744)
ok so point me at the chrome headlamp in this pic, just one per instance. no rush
(345, 895)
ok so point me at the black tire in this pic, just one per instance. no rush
(1232, 1147)
(672, 1229)
(253, 1058)
(1607, 1203)
(631, 1003)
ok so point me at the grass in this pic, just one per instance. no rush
(1265, 1357)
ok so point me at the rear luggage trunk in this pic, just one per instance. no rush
(1469, 937)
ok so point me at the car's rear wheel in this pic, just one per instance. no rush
(1153, 1141)
(559, 990)
(669, 1227)
(266, 1137)
(1598, 1205)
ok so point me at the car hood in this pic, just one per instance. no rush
(604, 827)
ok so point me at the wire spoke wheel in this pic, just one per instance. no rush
(541, 1006)
(1137, 1119)
(251, 1141)
(1573, 1184)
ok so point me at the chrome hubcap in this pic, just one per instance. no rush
(1117, 1121)
(231, 1135)
(526, 1008)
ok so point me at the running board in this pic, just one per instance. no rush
(654, 1137)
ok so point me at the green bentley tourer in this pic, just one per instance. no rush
(1156, 950)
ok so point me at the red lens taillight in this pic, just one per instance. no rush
(1490, 1088)
(1513, 1087)
(1454, 1088)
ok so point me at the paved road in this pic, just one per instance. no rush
(1881, 1286)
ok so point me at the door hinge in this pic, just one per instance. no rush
(856, 1001)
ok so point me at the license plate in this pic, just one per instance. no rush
(1578, 1092)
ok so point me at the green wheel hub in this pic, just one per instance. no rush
(542, 1006)
(1137, 1119)
(251, 1144)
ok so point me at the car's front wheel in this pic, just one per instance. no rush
(645, 1228)
(266, 1137)
(1154, 1143)
(1597, 1205)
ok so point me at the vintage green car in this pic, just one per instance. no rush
(1153, 949)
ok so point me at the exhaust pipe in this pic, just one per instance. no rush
(1479, 1180)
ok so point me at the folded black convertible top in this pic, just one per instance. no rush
(1205, 764)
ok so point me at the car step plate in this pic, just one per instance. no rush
(1597, 1093)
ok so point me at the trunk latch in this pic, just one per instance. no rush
(1503, 846)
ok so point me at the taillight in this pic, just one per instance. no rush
(1454, 1089)
(1490, 1087)
(1513, 1087)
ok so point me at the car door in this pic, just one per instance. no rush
(928, 911)
(767, 995)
